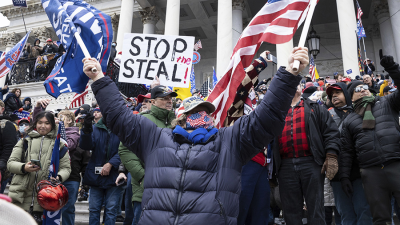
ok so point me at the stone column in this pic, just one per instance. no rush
(125, 23)
(149, 19)
(224, 36)
(115, 22)
(348, 38)
(282, 53)
(42, 33)
(394, 10)
(385, 26)
(373, 32)
(11, 40)
(237, 20)
(172, 17)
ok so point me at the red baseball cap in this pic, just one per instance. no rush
(142, 97)
(49, 39)
(346, 79)
(330, 89)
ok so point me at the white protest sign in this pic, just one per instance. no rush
(145, 56)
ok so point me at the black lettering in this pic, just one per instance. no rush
(177, 50)
(140, 61)
(128, 68)
(166, 49)
(162, 70)
(174, 73)
(135, 46)
(150, 69)
(149, 39)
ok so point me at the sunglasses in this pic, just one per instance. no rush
(147, 101)
(358, 89)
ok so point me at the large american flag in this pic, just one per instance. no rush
(276, 23)
(311, 71)
(79, 99)
(359, 11)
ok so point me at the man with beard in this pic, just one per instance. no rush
(350, 199)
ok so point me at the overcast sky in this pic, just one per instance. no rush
(3, 20)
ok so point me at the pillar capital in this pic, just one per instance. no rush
(381, 10)
(42, 33)
(10, 39)
(373, 30)
(149, 15)
(114, 20)
(238, 5)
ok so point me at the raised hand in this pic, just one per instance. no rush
(300, 54)
(88, 64)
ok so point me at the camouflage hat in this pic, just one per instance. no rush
(192, 102)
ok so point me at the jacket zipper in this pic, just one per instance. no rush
(36, 175)
(222, 212)
(380, 150)
(181, 184)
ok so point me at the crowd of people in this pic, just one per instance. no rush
(310, 152)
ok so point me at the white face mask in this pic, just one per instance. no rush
(22, 129)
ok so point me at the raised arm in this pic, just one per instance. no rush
(393, 69)
(119, 119)
(258, 129)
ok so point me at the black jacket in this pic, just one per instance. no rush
(369, 70)
(322, 134)
(8, 139)
(12, 103)
(378, 146)
(50, 49)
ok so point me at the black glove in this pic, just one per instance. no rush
(388, 63)
(88, 123)
(347, 186)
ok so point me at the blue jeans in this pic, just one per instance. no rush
(128, 201)
(137, 210)
(68, 211)
(3, 185)
(354, 210)
(111, 198)
(396, 209)
(254, 198)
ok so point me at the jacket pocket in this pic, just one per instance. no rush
(222, 211)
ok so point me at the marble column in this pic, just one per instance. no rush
(237, 20)
(374, 33)
(394, 10)
(172, 17)
(224, 36)
(282, 53)
(115, 22)
(348, 38)
(385, 26)
(125, 22)
(149, 19)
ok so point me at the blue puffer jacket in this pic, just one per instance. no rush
(104, 145)
(195, 184)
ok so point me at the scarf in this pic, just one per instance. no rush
(199, 120)
(198, 136)
(363, 108)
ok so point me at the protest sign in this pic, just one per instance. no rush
(22, 114)
(146, 56)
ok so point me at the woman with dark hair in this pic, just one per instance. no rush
(12, 101)
(36, 147)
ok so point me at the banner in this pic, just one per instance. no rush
(22, 114)
(146, 56)
(20, 3)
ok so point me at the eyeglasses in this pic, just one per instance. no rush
(147, 101)
(358, 89)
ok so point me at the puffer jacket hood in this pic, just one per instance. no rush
(37, 39)
(27, 99)
(191, 184)
(342, 86)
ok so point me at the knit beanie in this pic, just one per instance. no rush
(352, 85)
(96, 109)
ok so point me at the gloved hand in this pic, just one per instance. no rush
(347, 186)
(88, 123)
(330, 166)
(388, 63)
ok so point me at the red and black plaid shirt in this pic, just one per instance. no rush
(293, 141)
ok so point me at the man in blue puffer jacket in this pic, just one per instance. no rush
(102, 170)
(193, 172)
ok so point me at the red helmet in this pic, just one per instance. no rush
(52, 195)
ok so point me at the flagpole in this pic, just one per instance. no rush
(296, 63)
(365, 50)
(84, 49)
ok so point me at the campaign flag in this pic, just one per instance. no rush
(95, 29)
(198, 45)
(192, 81)
(276, 23)
(53, 218)
(204, 89)
(215, 79)
(359, 11)
(313, 70)
(360, 61)
(360, 30)
(22, 114)
(20, 3)
(79, 99)
(8, 59)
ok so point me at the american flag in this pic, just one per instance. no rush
(359, 11)
(180, 111)
(275, 23)
(3, 68)
(311, 71)
(8, 59)
(205, 88)
(79, 99)
(198, 45)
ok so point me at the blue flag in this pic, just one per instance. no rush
(95, 29)
(11, 57)
(215, 79)
(192, 81)
(20, 3)
(360, 30)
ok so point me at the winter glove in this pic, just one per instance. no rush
(330, 166)
(389, 64)
(347, 186)
(88, 123)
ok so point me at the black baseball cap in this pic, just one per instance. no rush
(161, 91)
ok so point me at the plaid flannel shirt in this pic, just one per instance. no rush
(293, 141)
